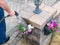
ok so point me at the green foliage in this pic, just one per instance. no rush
(22, 28)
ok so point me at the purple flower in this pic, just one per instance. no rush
(26, 32)
(57, 30)
(53, 24)
(29, 30)
(49, 28)
(18, 31)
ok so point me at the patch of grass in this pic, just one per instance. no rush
(56, 39)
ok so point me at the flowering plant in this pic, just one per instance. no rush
(52, 26)
(25, 30)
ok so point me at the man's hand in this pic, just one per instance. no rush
(5, 6)
(11, 13)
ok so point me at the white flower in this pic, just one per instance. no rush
(30, 27)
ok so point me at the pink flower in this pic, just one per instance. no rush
(49, 28)
(54, 24)
(18, 31)
(51, 25)
(27, 32)
(57, 30)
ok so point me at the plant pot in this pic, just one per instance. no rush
(46, 31)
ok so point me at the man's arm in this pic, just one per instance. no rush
(5, 6)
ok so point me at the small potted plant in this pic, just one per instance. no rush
(25, 30)
(50, 28)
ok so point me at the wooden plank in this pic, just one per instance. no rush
(26, 14)
(40, 20)
(49, 9)
(57, 5)
(37, 21)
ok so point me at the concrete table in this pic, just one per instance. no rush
(37, 20)
(57, 5)
(49, 9)
(27, 13)
(40, 20)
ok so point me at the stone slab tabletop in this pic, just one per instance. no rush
(27, 12)
(49, 9)
(37, 20)
(57, 5)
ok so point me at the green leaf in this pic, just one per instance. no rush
(21, 28)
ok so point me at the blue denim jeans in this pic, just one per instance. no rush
(2, 27)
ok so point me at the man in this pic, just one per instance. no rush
(3, 6)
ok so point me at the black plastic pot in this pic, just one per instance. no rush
(46, 31)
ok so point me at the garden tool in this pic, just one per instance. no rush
(10, 33)
(18, 17)
(21, 20)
